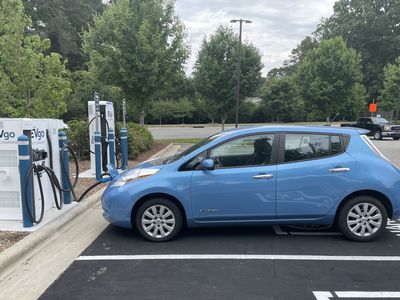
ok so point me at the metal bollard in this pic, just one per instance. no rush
(97, 153)
(111, 145)
(124, 148)
(64, 161)
(25, 163)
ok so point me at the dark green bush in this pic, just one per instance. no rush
(139, 139)
(78, 137)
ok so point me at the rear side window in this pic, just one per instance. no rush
(299, 146)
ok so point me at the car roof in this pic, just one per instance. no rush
(295, 128)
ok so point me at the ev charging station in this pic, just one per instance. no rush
(107, 122)
(43, 143)
(34, 163)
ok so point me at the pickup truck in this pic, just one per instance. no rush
(378, 127)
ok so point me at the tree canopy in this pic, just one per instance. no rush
(390, 96)
(330, 80)
(138, 46)
(371, 27)
(32, 84)
(215, 72)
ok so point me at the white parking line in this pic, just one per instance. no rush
(240, 257)
(323, 295)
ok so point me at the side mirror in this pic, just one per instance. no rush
(207, 164)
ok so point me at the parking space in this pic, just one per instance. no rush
(234, 263)
(270, 262)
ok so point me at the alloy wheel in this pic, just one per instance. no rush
(364, 219)
(158, 221)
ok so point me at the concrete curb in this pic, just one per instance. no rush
(20, 250)
(163, 152)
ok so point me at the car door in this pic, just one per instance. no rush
(242, 185)
(314, 173)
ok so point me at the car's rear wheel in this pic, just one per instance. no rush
(396, 138)
(378, 135)
(158, 220)
(362, 218)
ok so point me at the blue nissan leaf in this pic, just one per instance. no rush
(258, 176)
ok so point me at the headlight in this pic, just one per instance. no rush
(134, 174)
(386, 127)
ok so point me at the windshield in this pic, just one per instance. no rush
(195, 147)
(379, 121)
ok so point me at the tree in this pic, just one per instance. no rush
(282, 100)
(138, 46)
(63, 22)
(161, 110)
(215, 71)
(183, 108)
(371, 27)
(33, 84)
(391, 88)
(329, 80)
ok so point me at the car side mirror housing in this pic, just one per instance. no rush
(207, 164)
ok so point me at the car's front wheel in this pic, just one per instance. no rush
(158, 220)
(362, 219)
(378, 135)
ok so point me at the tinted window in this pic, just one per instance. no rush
(310, 146)
(245, 151)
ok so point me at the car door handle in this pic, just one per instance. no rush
(263, 176)
(339, 170)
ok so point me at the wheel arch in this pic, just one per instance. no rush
(378, 195)
(157, 195)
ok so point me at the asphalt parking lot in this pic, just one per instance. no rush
(276, 262)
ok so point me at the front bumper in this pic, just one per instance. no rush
(391, 133)
(117, 206)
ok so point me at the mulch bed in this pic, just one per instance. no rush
(8, 238)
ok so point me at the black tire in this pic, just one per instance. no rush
(377, 135)
(159, 224)
(349, 206)
(396, 138)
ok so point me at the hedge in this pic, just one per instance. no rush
(139, 139)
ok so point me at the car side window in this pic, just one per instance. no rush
(244, 151)
(311, 146)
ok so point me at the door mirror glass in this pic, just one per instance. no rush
(207, 164)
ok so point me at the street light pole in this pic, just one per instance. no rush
(239, 67)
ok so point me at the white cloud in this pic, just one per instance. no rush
(278, 26)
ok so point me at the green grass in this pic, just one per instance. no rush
(188, 140)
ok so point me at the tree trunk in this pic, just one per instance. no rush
(223, 123)
(160, 121)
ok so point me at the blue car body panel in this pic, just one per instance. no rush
(302, 192)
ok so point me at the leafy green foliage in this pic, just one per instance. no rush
(215, 72)
(172, 109)
(372, 28)
(330, 80)
(281, 99)
(78, 138)
(390, 99)
(138, 46)
(63, 22)
(139, 139)
(33, 84)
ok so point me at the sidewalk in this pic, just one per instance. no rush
(30, 266)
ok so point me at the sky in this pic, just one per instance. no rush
(278, 25)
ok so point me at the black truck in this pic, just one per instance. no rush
(378, 127)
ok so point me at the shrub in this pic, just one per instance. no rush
(78, 137)
(139, 139)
